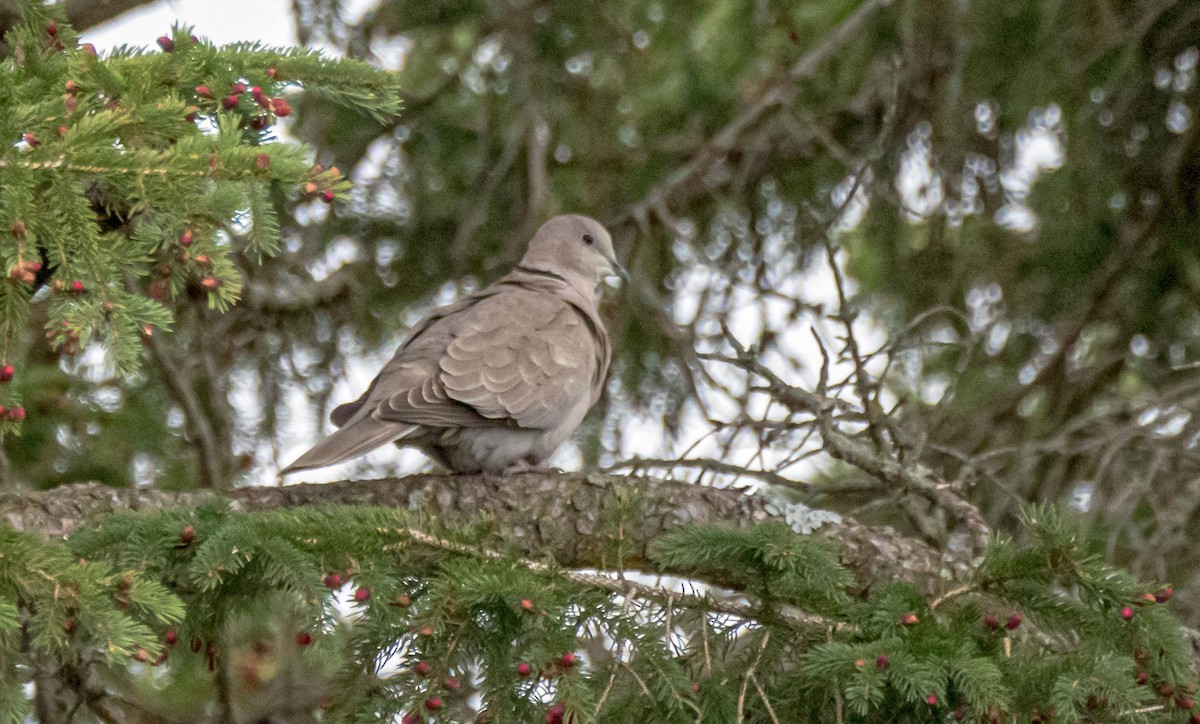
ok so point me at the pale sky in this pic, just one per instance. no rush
(222, 21)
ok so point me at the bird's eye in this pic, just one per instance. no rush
(587, 239)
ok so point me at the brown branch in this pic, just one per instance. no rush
(720, 467)
(741, 704)
(765, 700)
(862, 382)
(82, 14)
(538, 515)
(302, 297)
(200, 430)
(476, 214)
(537, 154)
(85, 14)
(1135, 237)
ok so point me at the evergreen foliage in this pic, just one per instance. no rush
(69, 609)
(367, 613)
(133, 181)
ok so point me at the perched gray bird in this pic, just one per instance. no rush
(498, 380)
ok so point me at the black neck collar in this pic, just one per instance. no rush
(542, 273)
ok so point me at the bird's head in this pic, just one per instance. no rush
(573, 246)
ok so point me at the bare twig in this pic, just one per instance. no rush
(613, 676)
(725, 140)
(915, 478)
(766, 476)
(1135, 235)
(199, 426)
(476, 214)
(741, 705)
(538, 147)
(763, 695)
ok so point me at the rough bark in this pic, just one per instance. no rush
(566, 516)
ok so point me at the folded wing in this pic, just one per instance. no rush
(519, 359)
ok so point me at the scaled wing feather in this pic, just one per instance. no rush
(522, 357)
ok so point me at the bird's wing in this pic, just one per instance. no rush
(410, 375)
(419, 398)
(412, 371)
(521, 357)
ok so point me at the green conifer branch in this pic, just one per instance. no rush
(133, 182)
(1042, 628)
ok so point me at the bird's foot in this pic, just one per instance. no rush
(527, 466)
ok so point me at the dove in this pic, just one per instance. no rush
(497, 381)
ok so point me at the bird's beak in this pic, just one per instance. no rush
(618, 269)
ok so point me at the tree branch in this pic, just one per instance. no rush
(725, 140)
(200, 427)
(913, 477)
(83, 14)
(560, 515)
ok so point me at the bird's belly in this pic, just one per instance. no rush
(475, 450)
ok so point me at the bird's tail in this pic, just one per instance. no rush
(355, 439)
